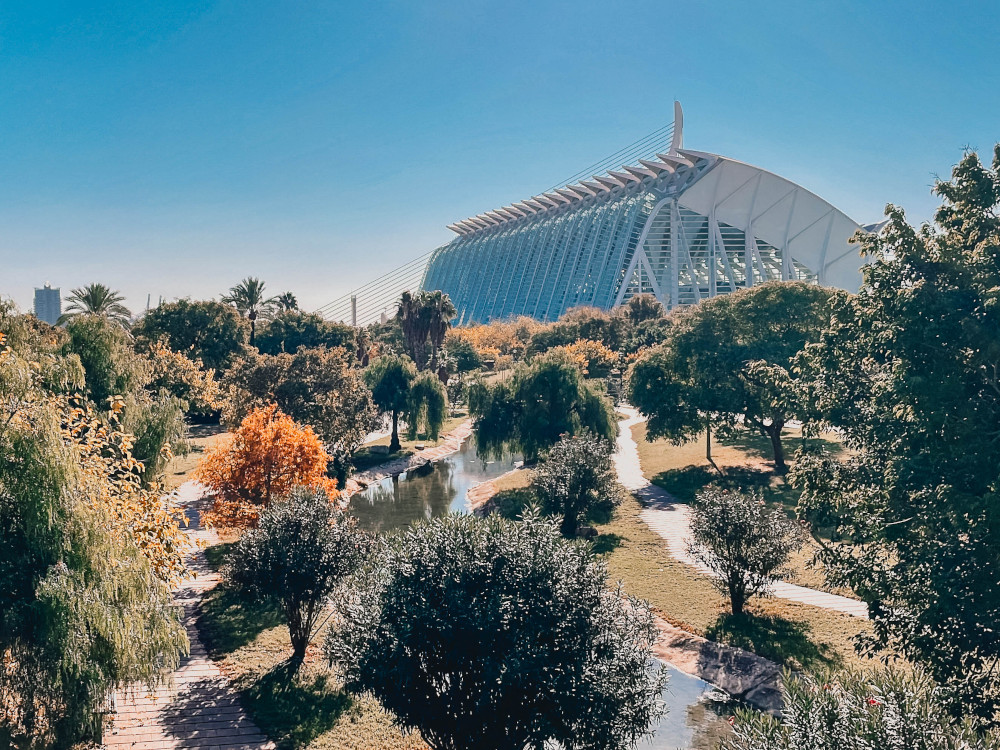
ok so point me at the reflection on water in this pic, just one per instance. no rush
(694, 720)
(697, 715)
(398, 501)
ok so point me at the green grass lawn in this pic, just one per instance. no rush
(310, 710)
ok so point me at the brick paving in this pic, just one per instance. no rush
(199, 709)
(669, 519)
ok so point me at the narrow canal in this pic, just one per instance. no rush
(695, 717)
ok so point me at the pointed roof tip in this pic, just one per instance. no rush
(677, 142)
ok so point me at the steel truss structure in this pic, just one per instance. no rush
(684, 226)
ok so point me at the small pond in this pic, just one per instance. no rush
(695, 720)
(396, 502)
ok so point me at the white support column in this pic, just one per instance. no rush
(674, 254)
(713, 267)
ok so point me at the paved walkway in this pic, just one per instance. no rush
(199, 709)
(669, 519)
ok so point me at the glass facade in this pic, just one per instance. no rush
(684, 234)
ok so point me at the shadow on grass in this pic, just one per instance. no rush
(513, 503)
(229, 621)
(685, 483)
(293, 708)
(773, 637)
(605, 543)
(216, 554)
(365, 459)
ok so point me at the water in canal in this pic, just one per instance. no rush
(695, 719)
(396, 502)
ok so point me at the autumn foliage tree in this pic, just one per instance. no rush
(268, 455)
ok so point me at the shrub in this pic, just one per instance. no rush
(577, 478)
(857, 711)
(742, 541)
(491, 633)
(301, 550)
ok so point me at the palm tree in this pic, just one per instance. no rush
(286, 302)
(97, 299)
(442, 312)
(248, 297)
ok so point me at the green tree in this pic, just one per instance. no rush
(541, 401)
(874, 708)
(499, 634)
(97, 299)
(742, 541)
(302, 549)
(204, 330)
(315, 387)
(118, 378)
(288, 331)
(75, 586)
(465, 356)
(729, 359)
(643, 307)
(577, 478)
(389, 379)
(908, 372)
(426, 406)
(249, 299)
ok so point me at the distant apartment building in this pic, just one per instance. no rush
(48, 304)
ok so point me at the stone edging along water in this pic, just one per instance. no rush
(451, 443)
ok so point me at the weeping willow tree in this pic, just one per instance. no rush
(78, 581)
(543, 401)
(426, 406)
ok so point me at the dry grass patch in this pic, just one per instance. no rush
(683, 470)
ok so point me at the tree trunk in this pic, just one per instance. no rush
(774, 432)
(708, 439)
(253, 326)
(394, 441)
(570, 523)
(737, 598)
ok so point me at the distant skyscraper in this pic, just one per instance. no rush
(48, 304)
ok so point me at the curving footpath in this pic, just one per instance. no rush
(199, 708)
(669, 519)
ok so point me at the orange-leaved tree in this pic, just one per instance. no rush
(268, 455)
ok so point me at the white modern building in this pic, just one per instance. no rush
(48, 304)
(683, 225)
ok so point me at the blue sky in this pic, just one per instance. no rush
(173, 148)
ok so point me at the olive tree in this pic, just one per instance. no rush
(301, 550)
(499, 634)
(576, 478)
(742, 541)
